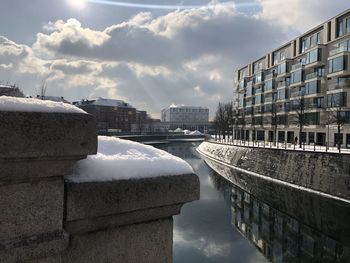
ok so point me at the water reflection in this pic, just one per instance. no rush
(241, 218)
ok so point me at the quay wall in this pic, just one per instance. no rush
(325, 172)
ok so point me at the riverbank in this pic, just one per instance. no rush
(328, 173)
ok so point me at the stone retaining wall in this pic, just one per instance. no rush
(325, 172)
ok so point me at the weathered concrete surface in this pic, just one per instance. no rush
(46, 246)
(149, 242)
(43, 135)
(117, 197)
(111, 221)
(25, 170)
(31, 208)
(325, 172)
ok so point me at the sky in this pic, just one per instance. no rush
(149, 53)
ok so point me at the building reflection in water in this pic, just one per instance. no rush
(277, 235)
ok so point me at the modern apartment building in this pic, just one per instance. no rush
(186, 117)
(305, 81)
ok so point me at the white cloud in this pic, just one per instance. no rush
(185, 57)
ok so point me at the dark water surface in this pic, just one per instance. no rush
(252, 220)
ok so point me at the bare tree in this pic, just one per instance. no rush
(338, 116)
(274, 122)
(42, 90)
(223, 118)
(300, 116)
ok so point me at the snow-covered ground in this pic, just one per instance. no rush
(122, 159)
(36, 105)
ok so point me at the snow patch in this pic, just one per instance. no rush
(36, 105)
(122, 159)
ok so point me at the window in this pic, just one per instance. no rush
(269, 85)
(282, 68)
(258, 99)
(313, 56)
(318, 38)
(312, 118)
(337, 64)
(250, 91)
(297, 76)
(282, 55)
(347, 25)
(312, 87)
(281, 94)
(275, 60)
(303, 45)
(311, 41)
(336, 100)
(340, 28)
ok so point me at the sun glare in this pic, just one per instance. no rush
(79, 4)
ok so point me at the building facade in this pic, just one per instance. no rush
(186, 117)
(11, 91)
(111, 115)
(301, 86)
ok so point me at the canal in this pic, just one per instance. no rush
(243, 219)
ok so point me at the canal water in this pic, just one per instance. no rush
(244, 219)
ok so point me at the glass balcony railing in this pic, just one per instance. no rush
(314, 75)
(282, 84)
(339, 50)
(270, 76)
(338, 86)
(298, 66)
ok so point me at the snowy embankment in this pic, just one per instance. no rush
(122, 159)
(36, 105)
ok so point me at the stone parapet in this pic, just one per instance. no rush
(37, 150)
(93, 206)
(45, 219)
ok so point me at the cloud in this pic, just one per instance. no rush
(183, 57)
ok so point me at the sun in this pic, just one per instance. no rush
(78, 4)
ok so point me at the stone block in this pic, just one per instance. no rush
(46, 135)
(91, 200)
(31, 208)
(45, 247)
(149, 242)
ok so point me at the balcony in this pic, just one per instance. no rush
(283, 84)
(338, 87)
(270, 76)
(338, 50)
(297, 66)
(314, 75)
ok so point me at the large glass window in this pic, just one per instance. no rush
(336, 100)
(337, 64)
(303, 45)
(281, 94)
(348, 25)
(275, 59)
(313, 56)
(282, 55)
(269, 85)
(312, 87)
(318, 38)
(340, 27)
(242, 83)
(312, 39)
(312, 118)
(240, 100)
(297, 76)
(282, 68)
(258, 99)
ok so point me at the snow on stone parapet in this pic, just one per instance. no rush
(122, 159)
(36, 105)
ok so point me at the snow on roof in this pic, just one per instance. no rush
(196, 133)
(122, 159)
(36, 105)
(110, 102)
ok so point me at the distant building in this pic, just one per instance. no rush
(110, 114)
(52, 98)
(11, 91)
(186, 117)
